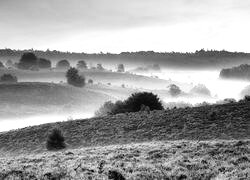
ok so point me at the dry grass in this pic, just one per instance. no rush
(154, 160)
(136, 146)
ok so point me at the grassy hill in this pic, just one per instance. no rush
(229, 121)
(191, 143)
(30, 98)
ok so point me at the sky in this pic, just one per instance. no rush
(114, 26)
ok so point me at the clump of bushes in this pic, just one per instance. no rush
(90, 81)
(174, 90)
(120, 68)
(29, 61)
(141, 101)
(55, 140)
(63, 64)
(8, 78)
(81, 65)
(74, 79)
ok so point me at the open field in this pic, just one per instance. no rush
(209, 142)
(229, 121)
(155, 160)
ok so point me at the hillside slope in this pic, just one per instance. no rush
(229, 121)
(30, 98)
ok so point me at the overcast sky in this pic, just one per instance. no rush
(125, 25)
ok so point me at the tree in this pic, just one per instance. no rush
(63, 64)
(136, 100)
(27, 61)
(9, 63)
(44, 63)
(145, 101)
(73, 78)
(8, 78)
(90, 81)
(55, 140)
(120, 68)
(81, 65)
(174, 90)
(99, 67)
(1, 65)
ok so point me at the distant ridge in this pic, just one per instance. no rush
(200, 58)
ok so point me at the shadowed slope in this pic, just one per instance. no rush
(229, 121)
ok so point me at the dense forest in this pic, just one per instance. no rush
(198, 59)
(239, 72)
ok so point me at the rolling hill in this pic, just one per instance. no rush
(229, 121)
(210, 142)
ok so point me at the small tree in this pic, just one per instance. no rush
(73, 78)
(9, 63)
(44, 63)
(27, 61)
(90, 81)
(120, 68)
(8, 78)
(99, 67)
(136, 100)
(174, 90)
(55, 140)
(81, 65)
(63, 64)
(1, 65)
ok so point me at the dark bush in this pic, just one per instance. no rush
(120, 68)
(81, 65)
(247, 98)
(90, 81)
(8, 78)
(1, 65)
(44, 63)
(73, 78)
(136, 102)
(99, 67)
(55, 140)
(9, 63)
(27, 61)
(63, 64)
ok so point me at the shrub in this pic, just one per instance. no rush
(136, 100)
(8, 78)
(90, 81)
(99, 67)
(120, 68)
(247, 98)
(174, 90)
(9, 63)
(44, 63)
(81, 65)
(146, 101)
(1, 65)
(55, 140)
(63, 64)
(27, 61)
(106, 109)
(73, 78)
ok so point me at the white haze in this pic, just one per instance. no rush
(220, 89)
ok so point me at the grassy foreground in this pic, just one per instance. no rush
(154, 160)
(210, 142)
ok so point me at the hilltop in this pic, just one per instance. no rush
(228, 121)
